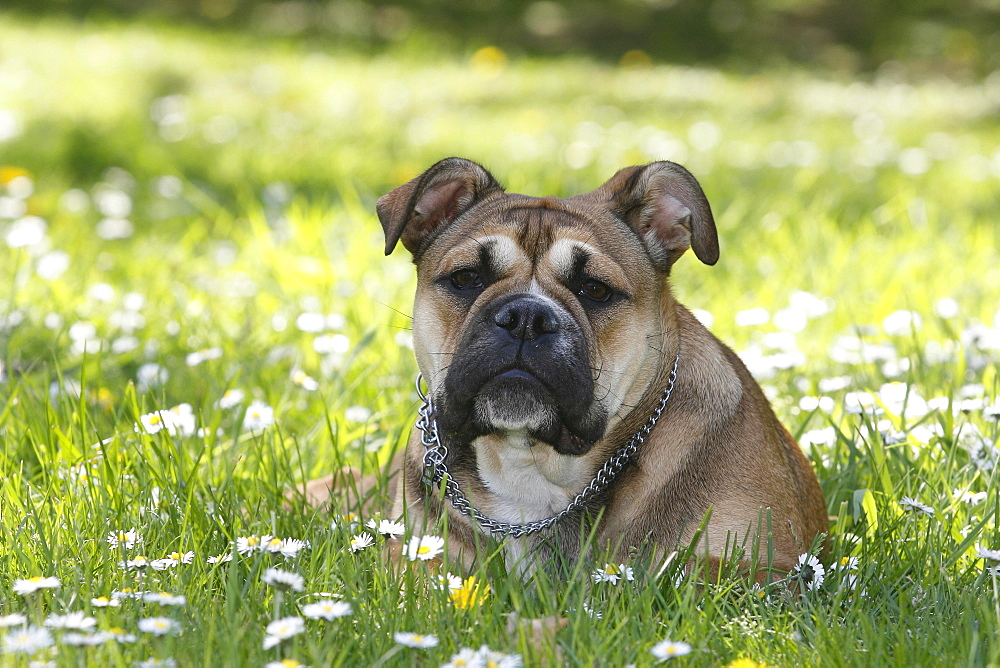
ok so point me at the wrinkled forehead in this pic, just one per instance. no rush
(520, 231)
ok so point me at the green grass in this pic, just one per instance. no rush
(875, 196)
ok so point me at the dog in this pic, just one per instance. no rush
(565, 381)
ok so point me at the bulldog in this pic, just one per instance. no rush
(572, 403)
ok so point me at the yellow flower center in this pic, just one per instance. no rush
(610, 569)
(275, 541)
(176, 556)
(423, 549)
(37, 578)
(844, 561)
(252, 540)
(156, 419)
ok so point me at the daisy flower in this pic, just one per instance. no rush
(983, 553)
(327, 609)
(138, 563)
(912, 505)
(272, 544)
(809, 571)
(424, 548)
(31, 585)
(220, 558)
(281, 629)
(168, 662)
(249, 544)
(845, 564)
(361, 541)
(971, 498)
(127, 592)
(81, 639)
(669, 649)
(126, 539)
(280, 579)
(163, 564)
(73, 620)
(415, 640)
(14, 619)
(450, 581)
(466, 658)
(231, 399)
(27, 640)
(611, 573)
(290, 547)
(163, 598)
(158, 626)
(390, 529)
(121, 637)
(491, 658)
(105, 602)
(285, 663)
(258, 416)
(304, 380)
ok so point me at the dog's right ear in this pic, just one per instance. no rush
(411, 212)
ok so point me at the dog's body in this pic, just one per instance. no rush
(547, 333)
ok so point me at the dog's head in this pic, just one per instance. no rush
(541, 317)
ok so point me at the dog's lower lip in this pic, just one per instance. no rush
(517, 373)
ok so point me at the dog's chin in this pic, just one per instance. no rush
(518, 403)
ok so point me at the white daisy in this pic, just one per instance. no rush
(31, 585)
(258, 416)
(74, 620)
(27, 640)
(984, 553)
(669, 649)
(163, 564)
(493, 659)
(611, 573)
(285, 663)
(466, 658)
(127, 593)
(304, 380)
(280, 579)
(424, 548)
(220, 558)
(272, 544)
(126, 539)
(415, 640)
(971, 498)
(290, 547)
(14, 619)
(137, 563)
(168, 662)
(231, 399)
(163, 598)
(158, 626)
(912, 505)
(86, 639)
(249, 544)
(809, 571)
(105, 602)
(390, 529)
(361, 541)
(281, 629)
(450, 581)
(845, 564)
(326, 610)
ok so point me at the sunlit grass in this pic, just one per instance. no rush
(251, 262)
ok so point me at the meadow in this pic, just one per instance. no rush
(196, 314)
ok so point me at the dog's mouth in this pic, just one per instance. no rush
(518, 400)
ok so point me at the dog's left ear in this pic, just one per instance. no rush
(411, 212)
(667, 208)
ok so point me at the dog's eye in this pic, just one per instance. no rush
(464, 279)
(596, 291)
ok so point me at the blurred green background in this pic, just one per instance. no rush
(960, 37)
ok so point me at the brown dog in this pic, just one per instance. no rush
(548, 336)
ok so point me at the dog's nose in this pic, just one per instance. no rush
(526, 318)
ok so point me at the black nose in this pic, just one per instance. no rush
(526, 318)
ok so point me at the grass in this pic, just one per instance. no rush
(874, 196)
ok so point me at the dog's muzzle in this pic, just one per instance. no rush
(523, 365)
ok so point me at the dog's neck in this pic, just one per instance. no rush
(529, 481)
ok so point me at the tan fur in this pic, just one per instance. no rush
(718, 447)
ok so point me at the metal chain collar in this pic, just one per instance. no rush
(435, 469)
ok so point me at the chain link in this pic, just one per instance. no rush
(435, 470)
